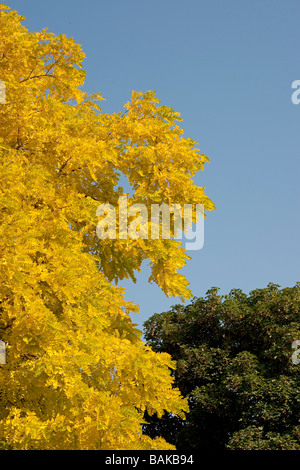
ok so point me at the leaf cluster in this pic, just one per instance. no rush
(234, 364)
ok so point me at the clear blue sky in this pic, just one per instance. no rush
(227, 67)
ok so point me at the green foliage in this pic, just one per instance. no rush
(234, 364)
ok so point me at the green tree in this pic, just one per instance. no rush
(234, 364)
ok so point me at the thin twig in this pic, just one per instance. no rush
(37, 76)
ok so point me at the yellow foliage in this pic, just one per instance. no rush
(78, 375)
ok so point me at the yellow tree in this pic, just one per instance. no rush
(78, 375)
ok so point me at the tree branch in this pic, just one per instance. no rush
(37, 76)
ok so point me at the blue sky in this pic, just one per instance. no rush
(227, 67)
